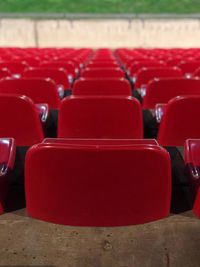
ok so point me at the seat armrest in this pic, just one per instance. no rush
(159, 111)
(61, 91)
(43, 111)
(7, 155)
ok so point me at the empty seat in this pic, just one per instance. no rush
(7, 160)
(40, 90)
(162, 90)
(100, 117)
(20, 120)
(107, 86)
(4, 72)
(145, 75)
(59, 76)
(102, 184)
(103, 64)
(102, 73)
(197, 73)
(32, 61)
(192, 160)
(15, 67)
(136, 66)
(180, 121)
(188, 67)
(67, 66)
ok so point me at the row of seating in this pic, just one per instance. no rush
(97, 156)
(99, 117)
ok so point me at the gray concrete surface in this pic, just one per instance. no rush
(171, 242)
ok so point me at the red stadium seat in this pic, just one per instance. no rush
(103, 64)
(67, 66)
(162, 90)
(192, 161)
(32, 61)
(102, 185)
(197, 73)
(180, 121)
(102, 73)
(5, 73)
(145, 75)
(59, 76)
(20, 120)
(188, 67)
(107, 86)
(40, 90)
(100, 117)
(7, 160)
(16, 68)
(136, 66)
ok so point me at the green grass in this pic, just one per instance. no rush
(101, 6)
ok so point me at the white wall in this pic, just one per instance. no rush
(100, 33)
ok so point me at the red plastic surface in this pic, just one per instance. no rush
(114, 86)
(7, 160)
(59, 76)
(102, 73)
(103, 65)
(188, 67)
(4, 72)
(110, 142)
(40, 90)
(67, 66)
(180, 121)
(20, 120)
(162, 90)
(192, 156)
(137, 65)
(145, 75)
(14, 67)
(100, 117)
(97, 185)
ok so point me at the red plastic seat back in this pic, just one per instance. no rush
(188, 67)
(113, 86)
(59, 76)
(14, 67)
(136, 66)
(102, 73)
(100, 117)
(67, 66)
(20, 120)
(103, 64)
(100, 186)
(162, 90)
(192, 152)
(192, 165)
(197, 73)
(7, 160)
(180, 121)
(109, 142)
(40, 90)
(4, 73)
(145, 75)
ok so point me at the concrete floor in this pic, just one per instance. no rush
(171, 242)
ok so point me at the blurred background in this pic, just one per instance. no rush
(105, 23)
